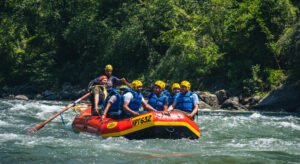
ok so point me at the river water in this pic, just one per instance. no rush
(226, 137)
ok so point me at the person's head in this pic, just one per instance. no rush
(108, 69)
(137, 85)
(122, 88)
(175, 88)
(103, 79)
(185, 86)
(159, 86)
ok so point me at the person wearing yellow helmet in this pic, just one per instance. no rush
(157, 99)
(175, 89)
(112, 81)
(134, 100)
(186, 101)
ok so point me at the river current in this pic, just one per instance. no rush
(226, 137)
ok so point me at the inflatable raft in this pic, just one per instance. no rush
(145, 126)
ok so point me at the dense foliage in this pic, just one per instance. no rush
(249, 45)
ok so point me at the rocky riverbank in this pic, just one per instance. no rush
(286, 98)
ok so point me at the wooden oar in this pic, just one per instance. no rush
(41, 125)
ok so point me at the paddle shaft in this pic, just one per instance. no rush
(41, 125)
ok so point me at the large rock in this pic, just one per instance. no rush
(209, 99)
(21, 97)
(49, 95)
(233, 104)
(222, 95)
(286, 98)
(203, 105)
(38, 97)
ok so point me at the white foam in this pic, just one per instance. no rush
(204, 110)
(3, 124)
(47, 110)
(18, 107)
(255, 115)
(290, 125)
(8, 136)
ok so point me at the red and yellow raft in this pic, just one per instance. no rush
(145, 126)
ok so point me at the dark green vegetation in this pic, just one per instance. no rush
(246, 45)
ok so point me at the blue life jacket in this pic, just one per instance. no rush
(166, 93)
(185, 102)
(136, 103)
(171, 98)
(157, 102)
(115, 108)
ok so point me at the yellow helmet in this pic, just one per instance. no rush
(136, 84)
(186, 84)
(161, 84)
(175, 85)
(108, 67)
(122, 87)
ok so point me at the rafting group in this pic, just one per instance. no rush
(121, 110)
(111, 100)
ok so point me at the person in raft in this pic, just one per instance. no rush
(113, 104)
(157, 99)
(112, 81)
(175, 89)
(186, 101)
(134, 100)
(99, 94)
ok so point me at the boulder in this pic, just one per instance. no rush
(209, 99)
(203, 105)
(65, 95)
(233, 104)
(222, 95)
(49, 95)
(38, 97)
(254, 100)
(285, 98)
(21, 97)
(10, 96)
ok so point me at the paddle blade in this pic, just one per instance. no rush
(36, 128)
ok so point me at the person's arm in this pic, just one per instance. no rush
(166, 102)
(196, 106)
(195, 110)
(91, 83)
(127, 109)
(127, 98)
(96, 101)
(148, 107)
(106, 110)
(126, 82)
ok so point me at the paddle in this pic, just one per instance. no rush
(41, 125)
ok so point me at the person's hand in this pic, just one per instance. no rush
(103, 117)
(136, 113)
(189, 116)
(123, 80)
(166, 112)
(97, 110)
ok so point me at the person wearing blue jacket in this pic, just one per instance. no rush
(113, 105)
(186, 101)
(158, 99)
(134, 100)
(175, 89)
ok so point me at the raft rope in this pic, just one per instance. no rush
(63, 121)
